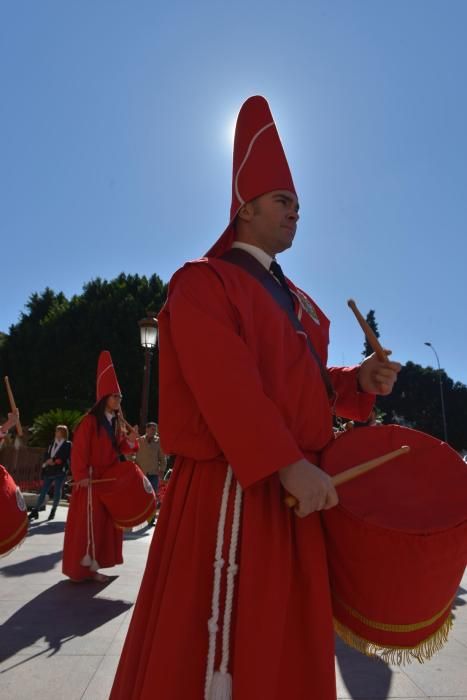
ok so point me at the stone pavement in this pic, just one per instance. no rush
(61, 640)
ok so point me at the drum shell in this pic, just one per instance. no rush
(384, 585)
(392, 587)
(14, 520)
(130, 499)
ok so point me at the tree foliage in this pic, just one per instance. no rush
(416, 399)
(371, 320)
(44, 425)
(51, 354)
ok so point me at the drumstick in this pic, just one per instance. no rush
(370, 335)
(128, 426)
(93, 481)
(353, 472)
(11, 398)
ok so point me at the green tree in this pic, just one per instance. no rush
(370, 319)
(51, 354)
(44, 425)
(415, 401)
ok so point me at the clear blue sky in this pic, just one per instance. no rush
(115, 150)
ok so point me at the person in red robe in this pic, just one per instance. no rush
(235, 597)
(13, 511)
(93, 541)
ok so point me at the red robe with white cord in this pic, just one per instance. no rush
(91, 446)
(238, 386)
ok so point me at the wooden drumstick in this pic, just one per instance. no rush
(93, 481)
(127, 425)
(370, 335)
(358, 470)
(11, 398)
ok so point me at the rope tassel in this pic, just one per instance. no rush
(88, 560)
(219, 684)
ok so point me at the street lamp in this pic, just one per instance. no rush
(443, 412)
(148, 329)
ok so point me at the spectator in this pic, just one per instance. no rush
(150, 458)
(54, 470)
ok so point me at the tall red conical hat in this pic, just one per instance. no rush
(106, 382)
(259, 163)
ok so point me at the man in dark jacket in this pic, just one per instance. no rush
(54, 470)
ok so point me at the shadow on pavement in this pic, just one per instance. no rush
(458, 601)
(35, 565)
(138, 533)
(364, 677)
(45, 527)
(61, 613)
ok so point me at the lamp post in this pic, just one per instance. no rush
(443, 412)
(148, 329)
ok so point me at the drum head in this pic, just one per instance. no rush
(424, 491)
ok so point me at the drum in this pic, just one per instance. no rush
(129, 498)
(396, 543)
(14, 517)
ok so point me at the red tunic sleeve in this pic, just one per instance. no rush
(80, 454)
(221, 372)
(351, 403)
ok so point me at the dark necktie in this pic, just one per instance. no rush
(276, 270)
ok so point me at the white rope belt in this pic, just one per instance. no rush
(89, 558)
(218, 685)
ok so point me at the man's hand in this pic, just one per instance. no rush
(133, 435)
(376, 377)
(13, 419)
(82, 484)
(312, 487)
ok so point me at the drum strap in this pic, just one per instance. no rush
(110, 429)
(239, 257)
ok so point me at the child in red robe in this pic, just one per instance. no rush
(91, 540)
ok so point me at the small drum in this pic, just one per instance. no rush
(130, 499)
(396, 543)
(14, 517)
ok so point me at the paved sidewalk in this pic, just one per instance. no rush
(61, 641)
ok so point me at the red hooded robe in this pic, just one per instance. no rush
(92, 446)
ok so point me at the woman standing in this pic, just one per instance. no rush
(92, 540)
(54, 470)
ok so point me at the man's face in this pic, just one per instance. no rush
(273, 220)
(150, 431)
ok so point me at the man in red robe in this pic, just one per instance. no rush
(235, 597)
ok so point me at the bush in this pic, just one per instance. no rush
(44, 425)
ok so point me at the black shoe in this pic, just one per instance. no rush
(52, 514)
(34, 514)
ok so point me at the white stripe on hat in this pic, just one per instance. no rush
(258, 133)
(102, 374)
